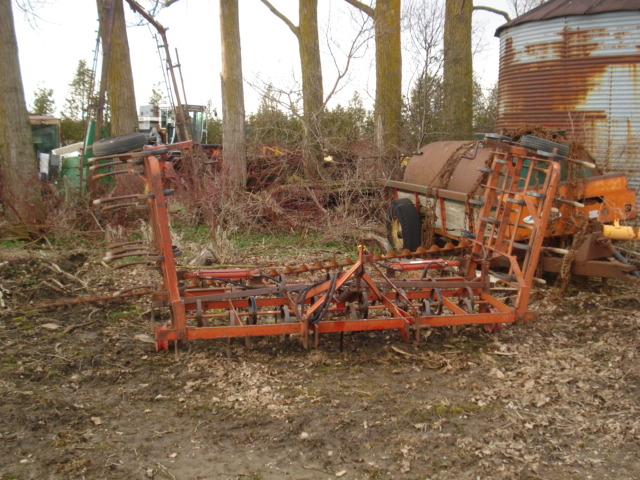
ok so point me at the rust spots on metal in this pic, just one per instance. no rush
(555, 90)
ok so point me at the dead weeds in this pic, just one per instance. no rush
(85, 395)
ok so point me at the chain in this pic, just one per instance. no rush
(565, 270)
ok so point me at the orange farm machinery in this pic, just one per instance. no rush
(393, 291)
(439, 201)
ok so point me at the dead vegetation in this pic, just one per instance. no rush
(85, 395)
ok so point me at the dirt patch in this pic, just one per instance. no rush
(86, 396)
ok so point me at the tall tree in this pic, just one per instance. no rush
(388, 106)
(424, 25)
(119, 81)
(424, 116)
(458, 70)
(79, 95)
(43, 102)
(485, 108)
(312, 89)
(271, 126)
(18, 168)
(233, 123)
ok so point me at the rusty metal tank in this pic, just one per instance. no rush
(451, 165)
(573, 66)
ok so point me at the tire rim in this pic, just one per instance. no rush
(395, 232)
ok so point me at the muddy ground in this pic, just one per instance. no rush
(85, 395)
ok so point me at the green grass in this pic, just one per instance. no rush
(192, 233)
(23, 323)
(12, 244)
(282, 241)
(131, 312)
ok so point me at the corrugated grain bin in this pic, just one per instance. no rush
(573, 66)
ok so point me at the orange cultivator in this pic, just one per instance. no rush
(373, 292)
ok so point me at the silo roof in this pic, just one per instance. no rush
(563, 8)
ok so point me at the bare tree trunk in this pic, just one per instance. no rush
(120, 88)
(19, 184)
(311, 86)
(458, 70)
(388, 107)
(312, 89)
(388, 111)
(233, 135)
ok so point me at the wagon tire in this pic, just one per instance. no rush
(495, 136)
(119, 144)
(404, 228)
(536, 143)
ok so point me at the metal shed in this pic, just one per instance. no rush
(573, 66)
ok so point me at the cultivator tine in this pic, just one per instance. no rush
(139, 197)
(112, 173)
(136, 205)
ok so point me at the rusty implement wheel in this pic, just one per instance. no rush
(401, 301)
(466, 300)
(436, 303)
(252, 306)
(285, 316)
(404, 228)
(363, 306)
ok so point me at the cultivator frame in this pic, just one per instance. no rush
(372, 292)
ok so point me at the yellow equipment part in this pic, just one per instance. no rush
(621, 232)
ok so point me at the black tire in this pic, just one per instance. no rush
(119, 144)
(537, 143)
(495, 136)
(404, 228)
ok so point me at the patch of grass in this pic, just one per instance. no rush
(130, 312)
(282, 242)
(192, 233)
(12, 244)
(7, 366)
(375, 474)
(22, 323)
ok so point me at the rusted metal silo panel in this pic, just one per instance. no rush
(577, 73)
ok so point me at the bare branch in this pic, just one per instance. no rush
(358, 43)
(493, 10)
(362, 7)
(29, 9)
(277, 13)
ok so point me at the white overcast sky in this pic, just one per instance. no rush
(65, 32)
